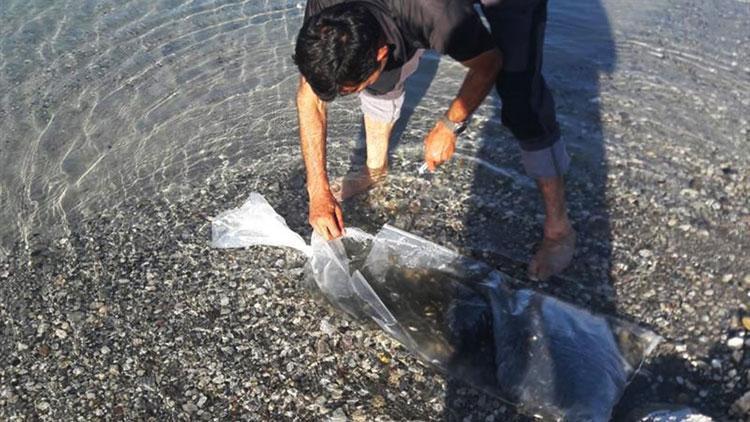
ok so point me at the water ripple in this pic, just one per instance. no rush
(101, 101)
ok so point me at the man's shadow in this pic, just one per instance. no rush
(504, 221)
(667, 382)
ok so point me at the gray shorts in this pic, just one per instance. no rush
(387, 107)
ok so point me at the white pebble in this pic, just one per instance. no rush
(326, 327)
(735, 343)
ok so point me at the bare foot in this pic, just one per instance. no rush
(553, 256)
(356, 183)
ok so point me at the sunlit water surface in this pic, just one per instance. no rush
(101, 101)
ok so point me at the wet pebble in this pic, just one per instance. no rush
(280, 355)
(322, 348)
(735, 343)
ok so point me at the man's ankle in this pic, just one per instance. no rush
(377, 167)
(558, 229)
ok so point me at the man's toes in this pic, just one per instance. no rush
(539, 268)
(545, 272)
(552, 257)
(533, 271)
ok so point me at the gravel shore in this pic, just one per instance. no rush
(134, 316)
(126, 126)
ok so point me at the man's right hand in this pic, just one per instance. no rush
(326, 217)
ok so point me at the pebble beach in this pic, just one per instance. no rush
(125, 134)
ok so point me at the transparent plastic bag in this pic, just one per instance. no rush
(330, 272)
(549, 357)
(664, 412)
(254, 223)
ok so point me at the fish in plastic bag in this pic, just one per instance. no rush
(550, 358)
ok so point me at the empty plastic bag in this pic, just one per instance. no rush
(255, 223)
(549, 357)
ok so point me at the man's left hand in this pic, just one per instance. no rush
(439, 146)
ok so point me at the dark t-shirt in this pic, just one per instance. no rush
(449, 27)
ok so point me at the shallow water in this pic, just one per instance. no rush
(161, 114)
(103, 101)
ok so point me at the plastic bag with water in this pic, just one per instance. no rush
(549, 357)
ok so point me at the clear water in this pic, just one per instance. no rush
(101, 101)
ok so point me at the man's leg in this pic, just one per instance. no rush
(377, 136)
(558, 244)
(529, 112)
(380, 115)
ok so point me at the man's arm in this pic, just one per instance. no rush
(479, 80)
(440, 143)
(311, 112)
(325, 213)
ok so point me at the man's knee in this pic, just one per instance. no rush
(528, 109)
(517, 114)
(552, 161)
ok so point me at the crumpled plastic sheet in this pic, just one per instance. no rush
(254, 223)
(550, 358)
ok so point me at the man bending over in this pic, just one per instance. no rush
(370, 47)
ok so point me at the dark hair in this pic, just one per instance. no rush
(338, 46)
